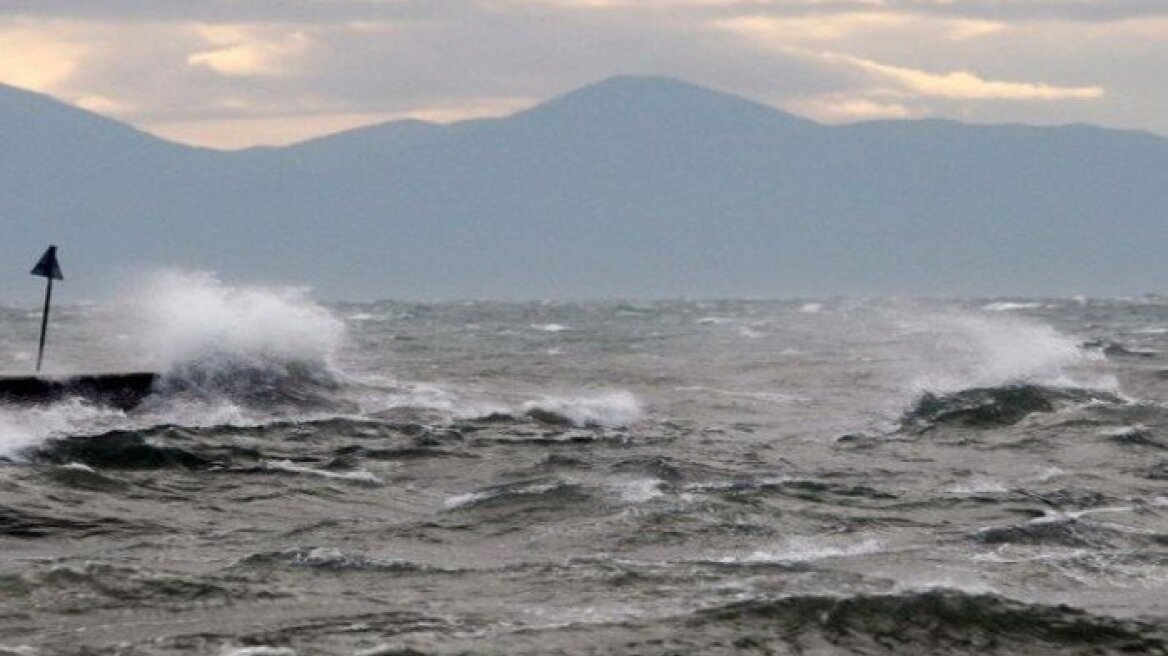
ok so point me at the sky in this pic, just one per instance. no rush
(237, 73)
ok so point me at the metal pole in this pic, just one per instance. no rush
(44, 324)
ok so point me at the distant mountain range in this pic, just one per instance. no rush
(631, 187)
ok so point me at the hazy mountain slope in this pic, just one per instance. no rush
(103, 190)
(632, 186)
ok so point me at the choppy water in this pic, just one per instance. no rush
(603, 478)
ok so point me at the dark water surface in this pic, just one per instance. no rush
(607, 478)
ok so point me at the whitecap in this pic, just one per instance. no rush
(612, 409)
(261, 651)
(1007, 306)
(360, 476)
(640, 490)
(806, 549)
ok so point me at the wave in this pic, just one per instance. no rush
(1113, 349)
(243, 356)
(331, 559)
(262, 348)
(1059, 531)
(93, 585)
(611, 410)
(124, 450)
(356, 477)
(961, 350)
(224, 355)
(808, 549)
(933, 621)
(548, 492)
(24, 523)
(988, 407)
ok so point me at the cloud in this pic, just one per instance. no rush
(235, 11)
(787, 30)
(1028, 10)
(841, 108)
(966, 85)
(103, 105)
(183, 67)
(342, 11)
(38, 60)
(282, 129)
(245, 52)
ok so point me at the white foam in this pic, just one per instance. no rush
(384, 394)
(811, 308)
(1006, 306)
(261, 651)
(764, 397)
(611, 409)
(806, 549)
(970, 584)
(189, 317)
(640, 491)
(364, 316)
(978, 486)
(460, 500)
(962, 350)
(22, 427)
(550, 327)
(470, 498)
(1048, 473)
(359, 476)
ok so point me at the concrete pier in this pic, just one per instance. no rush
(123, 390)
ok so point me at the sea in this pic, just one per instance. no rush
(750, 476)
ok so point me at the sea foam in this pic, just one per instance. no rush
(962, 350)
(210, 341)
(191, 317)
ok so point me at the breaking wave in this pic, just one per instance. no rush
(260, 346)
(225, 355)
(994, 369)
(967, 350)
(614, 409)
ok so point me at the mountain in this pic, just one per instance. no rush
(634, 186)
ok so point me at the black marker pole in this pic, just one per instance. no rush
(48, 268)
(44, 324)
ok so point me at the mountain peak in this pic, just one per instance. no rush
(659, 96)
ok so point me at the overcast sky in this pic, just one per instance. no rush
(231, 73)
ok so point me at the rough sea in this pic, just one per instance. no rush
(810, 477)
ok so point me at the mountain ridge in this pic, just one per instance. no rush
(8, 91)
(633, 186)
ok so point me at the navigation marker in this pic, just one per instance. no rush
(50, 269)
